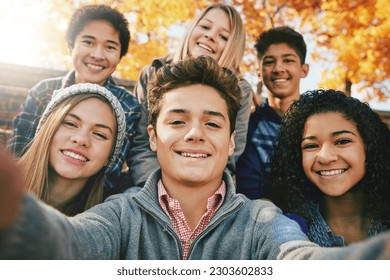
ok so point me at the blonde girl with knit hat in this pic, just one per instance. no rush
(79, 136)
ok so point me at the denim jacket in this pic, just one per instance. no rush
(319, 232)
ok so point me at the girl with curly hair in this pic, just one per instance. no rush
(331, 168)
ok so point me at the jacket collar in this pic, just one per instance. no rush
(147, 197)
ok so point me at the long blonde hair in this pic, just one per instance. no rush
(36, 167)
(234, 50)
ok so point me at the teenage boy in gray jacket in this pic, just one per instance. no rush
(187, 210)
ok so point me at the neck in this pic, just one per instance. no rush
(192, 198)
(346, 216)
(281, 104)
(62, 190)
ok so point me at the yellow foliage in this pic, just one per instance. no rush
(351, 34)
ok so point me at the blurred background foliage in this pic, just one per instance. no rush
(349, 38)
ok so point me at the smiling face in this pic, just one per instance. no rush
(333, 153)
(96, 52)
(210, 35)
(82, 144)
(192, 137)
(281, 71)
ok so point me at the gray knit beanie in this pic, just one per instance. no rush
(62, 94)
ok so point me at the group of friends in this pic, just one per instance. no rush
(181, 168)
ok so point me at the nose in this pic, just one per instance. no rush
(195, 134)
(278, 66)
(211, 34)
(81, 139)
(326, 155)
(97, 52)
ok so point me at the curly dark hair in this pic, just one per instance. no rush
(290, 186)
(88, 13)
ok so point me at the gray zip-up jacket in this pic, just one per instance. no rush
(132, 225)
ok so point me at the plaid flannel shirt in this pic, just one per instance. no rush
(26, 122)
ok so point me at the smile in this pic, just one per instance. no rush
(75, 156)
(191, 155)
(331, 172)
(206, 48)
(280, 80)
(94, 67)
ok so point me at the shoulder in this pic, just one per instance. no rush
(263, 210)
(127, 100)
(48, 84)
(155, 65)
(121, 200)
(245, 86)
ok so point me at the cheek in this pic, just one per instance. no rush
(114, 59)
(307, 162)
(106, 149)
(59, 136)
(361, 162)
(78, 52)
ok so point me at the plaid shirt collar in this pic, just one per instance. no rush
(70, 79)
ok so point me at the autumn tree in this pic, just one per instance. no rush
(353, 35)
(356, 33)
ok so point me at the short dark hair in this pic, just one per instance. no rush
(279, 35)
(85, 14)
(291, 187)
(190, 71)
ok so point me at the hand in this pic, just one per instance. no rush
(11, 188)
(386, 255)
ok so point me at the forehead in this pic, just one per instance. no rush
(93, 108)
(279, 49)
(99, 26)
(218, 16)
(194, 98)
(329, 122)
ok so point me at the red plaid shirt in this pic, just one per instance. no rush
(172, 208)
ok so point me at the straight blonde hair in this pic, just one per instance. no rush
(36, 167)
(234, 50)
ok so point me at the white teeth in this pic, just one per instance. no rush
(280, 80)
(95, 67)
(205, 47)
(73, 155)
(331, 172)
(194, 155)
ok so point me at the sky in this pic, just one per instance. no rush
(17, 32)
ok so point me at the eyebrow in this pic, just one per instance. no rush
(205, 112)
(283, 55)
(92, 37)
(336, 133)
(96, 124)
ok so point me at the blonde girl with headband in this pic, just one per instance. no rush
(217, 32)
(79, 136)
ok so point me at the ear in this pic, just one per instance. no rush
(232, 144)
(258, 71)
(305, 70)
(70, 49)
(152, 138)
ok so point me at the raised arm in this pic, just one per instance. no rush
(11, 188)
